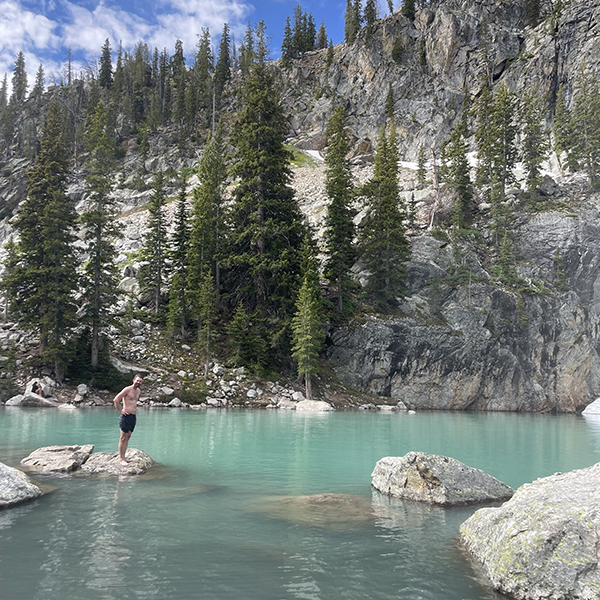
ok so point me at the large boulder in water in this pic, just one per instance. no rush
(436, 480)
(313, 406)
(545, 541)
(15, 487)
(109, 463)
(31, 399)
(58, 458)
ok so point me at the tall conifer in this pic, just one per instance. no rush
(42, 281)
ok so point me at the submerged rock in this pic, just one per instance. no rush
(544, 542)
(339, 512)
(313, 406)
(15, 487)
(436, 480)
(108, 463)
(58, 458)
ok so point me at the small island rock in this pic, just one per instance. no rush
(15, 487)
(58, 458)
(313, 406)
(108, 463)
(436, 480)
(543, 543)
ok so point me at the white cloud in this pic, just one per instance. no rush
(88, 29)
(23, 30)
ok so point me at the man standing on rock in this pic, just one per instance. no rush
(128, 397)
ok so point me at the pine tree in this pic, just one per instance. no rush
(208, 217)
(39, 85)
(308, 335)
(408, 9)
(495, 138)
(563, 130)
(101, 229)
(203, 69)
(180, 242)
(389, 102)
(458, 178)
(4, 93)
(105, 74)
(339, 226)
(322, 37)
(507, 270)
(370, 17)
(19, 80)
(206, 301)
(42, 280)
(383, 241)
(390, 4)
(287, 43)
(223, 66)
(351, 22)
(247, 50)
(154, 250)
(421, 168)
(267, 230)
(561, 281)
(535, 144)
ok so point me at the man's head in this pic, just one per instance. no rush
(137, 381)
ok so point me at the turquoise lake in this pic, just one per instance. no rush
(219, 518)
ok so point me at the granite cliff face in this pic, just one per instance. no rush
(433, 63)
(483, 347)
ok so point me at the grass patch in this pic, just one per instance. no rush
(299, 158)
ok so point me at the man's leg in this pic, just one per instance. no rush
(123, 441)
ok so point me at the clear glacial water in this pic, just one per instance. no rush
(210, 523)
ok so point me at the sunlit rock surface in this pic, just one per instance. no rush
(15, 487)
(436, 480)
(545, 541)
(58, 458)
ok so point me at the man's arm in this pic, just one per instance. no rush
(118, 399)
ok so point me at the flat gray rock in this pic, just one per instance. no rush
(108, 463)
(15, 487)
(58, 458)
(436, 480)
(545, 541)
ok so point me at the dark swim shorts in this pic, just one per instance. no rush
(127, 423)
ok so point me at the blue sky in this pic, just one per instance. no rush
(44, 29)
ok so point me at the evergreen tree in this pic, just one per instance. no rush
(101, 229)
(458, 178)
(421, 168)
(206, 302)
(563, 129)
(180, 242)
(535, 138)
(370, 17)
(4, 93)
(308, 334)
(339, 226)
(39, 85)
(351, 22)
(208, 227)
(507, 271)
(19, 80)
(532, 12)
(390, 4)
(223, 66)
(322, 37)
(383, 241)
(105, 74)
(561, 281)
(287, 43)
(495, 139)
(154, 250)
(42, 278)
(408, 9)
(267, 230)
(203, 69)
(389, 102)
(330, 55)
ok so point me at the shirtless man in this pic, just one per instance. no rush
(128, 397)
